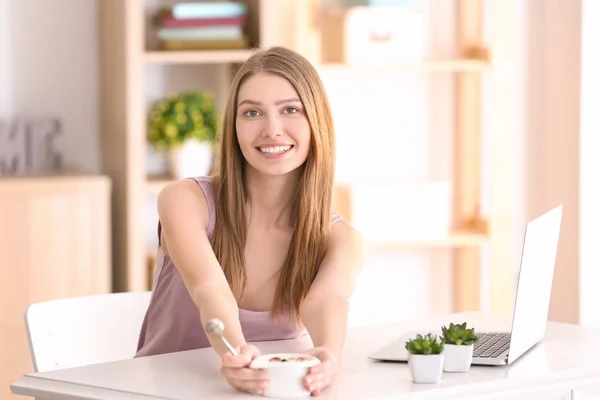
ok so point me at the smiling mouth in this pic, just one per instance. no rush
(275, 149)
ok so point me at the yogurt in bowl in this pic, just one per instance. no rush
(286, 373)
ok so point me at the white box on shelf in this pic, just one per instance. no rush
(375, 35)
(388, 212)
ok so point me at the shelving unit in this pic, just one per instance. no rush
(197, 57)
(128, 48)
(480, 49)
(470, 230)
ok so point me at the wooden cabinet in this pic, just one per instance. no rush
(54, 243)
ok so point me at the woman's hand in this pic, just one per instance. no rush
(322, 375)
(238, 374)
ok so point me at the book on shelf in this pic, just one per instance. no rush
(202, 26)
(175, 45)
(168, 21)
(209, 10)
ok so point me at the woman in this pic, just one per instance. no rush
(258, 245)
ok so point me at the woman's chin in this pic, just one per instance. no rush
(279, 170)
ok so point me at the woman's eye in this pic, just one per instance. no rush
(251, 113)
(291, 110)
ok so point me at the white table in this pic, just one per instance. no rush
(566, 365)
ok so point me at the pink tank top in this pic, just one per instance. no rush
(172, 321)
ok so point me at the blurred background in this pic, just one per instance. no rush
(457, 121)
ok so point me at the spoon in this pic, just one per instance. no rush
(215, 326)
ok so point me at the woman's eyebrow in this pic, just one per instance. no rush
(279, 102)
(292, 100)
(251, 102)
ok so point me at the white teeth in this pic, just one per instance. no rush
(275, 149)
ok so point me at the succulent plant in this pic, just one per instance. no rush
(428, 344)
(458, 334)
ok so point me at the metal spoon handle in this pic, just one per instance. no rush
(215, 326)
(229, 346)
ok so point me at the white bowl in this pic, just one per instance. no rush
(285, 377)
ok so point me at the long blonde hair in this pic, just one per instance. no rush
(312, 200)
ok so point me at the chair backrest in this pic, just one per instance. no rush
(85, 330)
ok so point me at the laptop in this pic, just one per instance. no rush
(531, 305)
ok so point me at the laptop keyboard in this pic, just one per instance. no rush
(491, 345)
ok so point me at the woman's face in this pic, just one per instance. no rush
(272, 128)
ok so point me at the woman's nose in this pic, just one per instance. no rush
(272, 128)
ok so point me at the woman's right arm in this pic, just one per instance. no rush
(183, 213)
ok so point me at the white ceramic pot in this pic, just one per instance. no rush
(457, 358)
(285, 377)
(193, 158)
(426, 368)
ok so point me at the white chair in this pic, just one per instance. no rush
(85, 330)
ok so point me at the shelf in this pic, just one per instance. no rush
(448, 65)
(197, 57)
(452, 240)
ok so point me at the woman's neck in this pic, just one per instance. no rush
(270, 198)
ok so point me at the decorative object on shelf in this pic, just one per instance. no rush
(203, 26)
(376, 34)
(458, 342)
(426, 358)
(185, 126)
(27, 146)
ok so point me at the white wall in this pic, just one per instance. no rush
(52, 61)
(552, 140)
(563, 165)
(589, 167)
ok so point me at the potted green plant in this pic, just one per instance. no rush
(185, 125)
(426, 358)
(458, 341)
